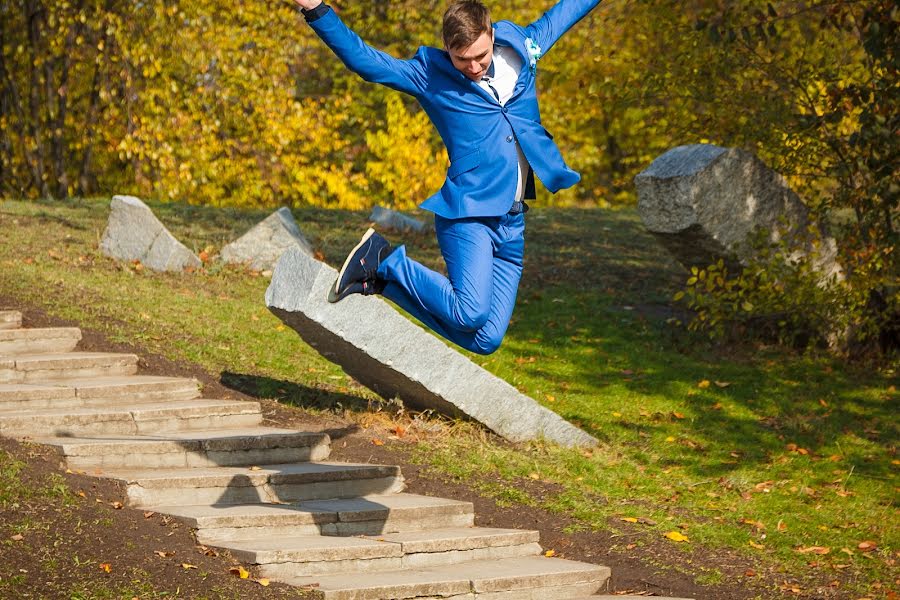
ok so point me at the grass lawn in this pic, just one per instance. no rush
(788, 458)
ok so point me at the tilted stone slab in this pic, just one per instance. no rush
(261, 247)
(391, 219)
(394, 357)
(134, 233)
(702, 202)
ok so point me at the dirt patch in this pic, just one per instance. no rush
(70, 541)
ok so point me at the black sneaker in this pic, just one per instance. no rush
(357, 276)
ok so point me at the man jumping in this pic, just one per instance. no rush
(479, 92)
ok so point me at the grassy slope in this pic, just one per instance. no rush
(748, 448)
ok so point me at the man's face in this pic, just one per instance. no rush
(473, 62)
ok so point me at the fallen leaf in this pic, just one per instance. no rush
(755, 545)
(106, 567)
(149, 514)
(81, 493)
(188, 566)
(629, 519)
(550, 553)
(117, 505)
(263, 582)
(163, 553)
(670, 439)
(18, 537)
(239, 572)
(723, 384)
(255, 468)
(631, 546)
(377, 442)
(677, 536)
(814, 550)
(677, 415)
(749, 573)
(867, 546)
(534, 476)
(703, 384)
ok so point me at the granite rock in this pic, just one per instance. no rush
(703, 202)
(391, 219)
(393, 356)
(261, 247)
(134, 233)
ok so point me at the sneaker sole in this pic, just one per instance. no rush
(333, 291)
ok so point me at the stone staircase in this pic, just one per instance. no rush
(269, 496)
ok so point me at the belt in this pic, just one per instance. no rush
(518, 207)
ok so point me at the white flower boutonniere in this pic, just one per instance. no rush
(534, 54)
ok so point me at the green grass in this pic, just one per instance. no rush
(755, 449)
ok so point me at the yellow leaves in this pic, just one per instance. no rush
(704, 384)
(820, 550)
(188, 566)
(106, 567)
(755, 545)
(677, 536)
(630, 519)
(550, 553)
(239, 572)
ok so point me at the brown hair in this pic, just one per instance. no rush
(464, 22)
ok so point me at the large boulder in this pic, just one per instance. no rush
(391, 219)
(393, 356)
(261, 247)
(703, 202)
(134, 233)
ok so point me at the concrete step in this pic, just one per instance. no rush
(615, 597)
(96, 391)
(209, 448)
(10, 319)
(273, 484)
(31, 368)
(286, 556)
(140, 418)
(33, 341)
(525, 578)
(370, 515)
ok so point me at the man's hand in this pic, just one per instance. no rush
(308, 4)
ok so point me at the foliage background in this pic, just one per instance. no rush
(238, 104)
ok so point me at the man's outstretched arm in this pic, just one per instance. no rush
(369, 63)
(558, 20)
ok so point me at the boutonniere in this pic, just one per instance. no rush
(534, 54)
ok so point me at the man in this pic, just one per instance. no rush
(479, 92)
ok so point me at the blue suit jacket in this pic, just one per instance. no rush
(476, 130)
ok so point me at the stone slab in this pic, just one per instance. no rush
(375, 515)
(703, 202)
(535, 576)
(41, 367)
(392, 219)
(261, 247)
(139, 418)
(286, 483)
(97, 392)
(233, 447)
(134, 233)
(10, 319)
(459, 538)
(52, 339)
(394, 357)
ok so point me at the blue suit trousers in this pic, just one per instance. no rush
(473, 306)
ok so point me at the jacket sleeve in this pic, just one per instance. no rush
(373, 65)
(558, 20)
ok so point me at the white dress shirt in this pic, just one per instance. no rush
(499, 82)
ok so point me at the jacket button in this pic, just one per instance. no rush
(505, 110)
(509, 138)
